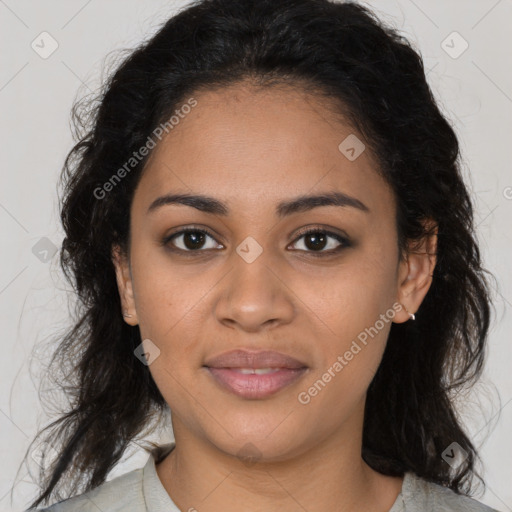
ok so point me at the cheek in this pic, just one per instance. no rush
(351, 296)
(350, 355)
(164, 292)
(353, 315)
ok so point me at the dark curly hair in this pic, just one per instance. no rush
(339, 50)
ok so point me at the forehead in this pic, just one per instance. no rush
(252, 147)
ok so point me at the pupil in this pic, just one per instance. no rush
(318, 241)
(196, 237)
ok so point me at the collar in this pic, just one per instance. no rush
(156, 497)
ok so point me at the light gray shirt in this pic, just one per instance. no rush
(141, 490)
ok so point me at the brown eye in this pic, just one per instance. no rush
(192, 240)
(321, 241)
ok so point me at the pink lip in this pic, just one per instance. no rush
(225, 369)
(254, 359)
(254, 386)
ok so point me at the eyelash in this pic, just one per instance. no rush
(345, 242)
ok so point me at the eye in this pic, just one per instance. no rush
(316, 240)
(191, 240)
(321, 241)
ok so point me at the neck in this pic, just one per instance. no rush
(330, 475)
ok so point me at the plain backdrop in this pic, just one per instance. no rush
(469, 72)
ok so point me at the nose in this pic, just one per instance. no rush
(254, 296)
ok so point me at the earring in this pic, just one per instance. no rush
(126, 315)
(411, 315)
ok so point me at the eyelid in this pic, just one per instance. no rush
(189, 229)
(343, 240)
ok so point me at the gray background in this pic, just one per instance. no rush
(36, 94)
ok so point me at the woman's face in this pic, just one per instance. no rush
(257, 283)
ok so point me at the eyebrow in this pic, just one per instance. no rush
(299, 204)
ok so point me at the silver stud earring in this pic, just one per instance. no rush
(411, 315)
(126, 315)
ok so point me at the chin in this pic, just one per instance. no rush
(256, 445)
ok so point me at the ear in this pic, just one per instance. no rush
(124, 285)
(416, 272)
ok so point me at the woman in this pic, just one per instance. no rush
(270, 236)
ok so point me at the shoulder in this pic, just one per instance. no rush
(123, 493)
(422, 495)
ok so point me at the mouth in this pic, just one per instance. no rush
(254, 375)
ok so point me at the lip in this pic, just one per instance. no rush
(225, 369)
(254, 359)
(255, 386)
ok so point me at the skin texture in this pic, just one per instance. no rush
(251, 149)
